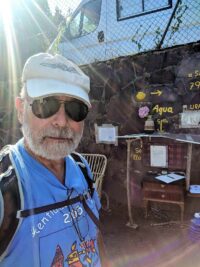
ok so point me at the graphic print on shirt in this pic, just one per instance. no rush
(58, 260)
(74, 260)
(68, 251)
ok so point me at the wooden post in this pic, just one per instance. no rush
(188, 167)
(130, 223)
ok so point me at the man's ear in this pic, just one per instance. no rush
(19, 105)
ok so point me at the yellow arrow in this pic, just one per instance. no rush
(157, 92)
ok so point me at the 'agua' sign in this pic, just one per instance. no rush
(161, 110)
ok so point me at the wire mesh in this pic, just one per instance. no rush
(66, 7)
(126, 27)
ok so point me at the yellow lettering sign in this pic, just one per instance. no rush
(195, 106)
(136, 157)
(138, 150)
(161, 122)
(195, 85)
(137, 153)
(197, 73)
(162, 110)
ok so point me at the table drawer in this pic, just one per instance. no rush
(162, 187)
(164, 195)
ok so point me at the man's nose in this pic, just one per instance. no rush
(61, 118)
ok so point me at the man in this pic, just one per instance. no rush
(53, 105)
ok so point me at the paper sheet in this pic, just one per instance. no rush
(107, 134)
(158, 156)
(195, 189)
(170, 177)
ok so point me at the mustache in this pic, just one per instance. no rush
(57, 133)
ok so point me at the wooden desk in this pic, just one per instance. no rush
(186, 138)
(164, 193)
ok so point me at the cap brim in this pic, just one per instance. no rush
(37, 88)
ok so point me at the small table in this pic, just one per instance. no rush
(164, 193)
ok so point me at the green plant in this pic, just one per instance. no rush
(178, 17)
(138, 37)
(158, 36)
(54, 46)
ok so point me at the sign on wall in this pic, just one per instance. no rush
(107, 134)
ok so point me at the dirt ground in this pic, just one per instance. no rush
(159, 241)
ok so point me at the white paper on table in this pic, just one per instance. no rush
(170, 177)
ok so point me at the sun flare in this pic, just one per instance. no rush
(8, 28)
(5, 10)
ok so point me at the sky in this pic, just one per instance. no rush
(64, 5)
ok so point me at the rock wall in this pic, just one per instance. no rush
(167, 82)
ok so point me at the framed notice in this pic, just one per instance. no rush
(190, 119)
(107, 134)
(158, 156)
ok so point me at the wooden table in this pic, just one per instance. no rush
(163, 193)
(190, 139)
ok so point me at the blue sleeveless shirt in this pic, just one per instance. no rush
(60, 237)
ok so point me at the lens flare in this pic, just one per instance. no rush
(10, 63)
(14, 16)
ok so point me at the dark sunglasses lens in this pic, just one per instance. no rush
(77, 111)
(45, 109)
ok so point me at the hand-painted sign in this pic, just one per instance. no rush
(189, 73)
(194, 106)
(157, 92)
(140, 96)
(194, 85)
(161, 124)
(161, 110)
(136, 153)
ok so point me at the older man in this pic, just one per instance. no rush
(51, 109)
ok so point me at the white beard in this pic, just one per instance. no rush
(52, 150)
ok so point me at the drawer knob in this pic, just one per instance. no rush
(163, 195)
(162, 185)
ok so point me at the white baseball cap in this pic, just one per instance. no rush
(47, 75)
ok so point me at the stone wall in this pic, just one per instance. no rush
(166, 81)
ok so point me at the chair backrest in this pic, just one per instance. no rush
(97, 163)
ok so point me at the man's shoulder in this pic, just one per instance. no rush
(12, 155)
(11, 148)
(5, 158)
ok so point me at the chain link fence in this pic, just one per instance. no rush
(126, 27)
(66, 7)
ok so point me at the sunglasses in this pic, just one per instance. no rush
(49, 106)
